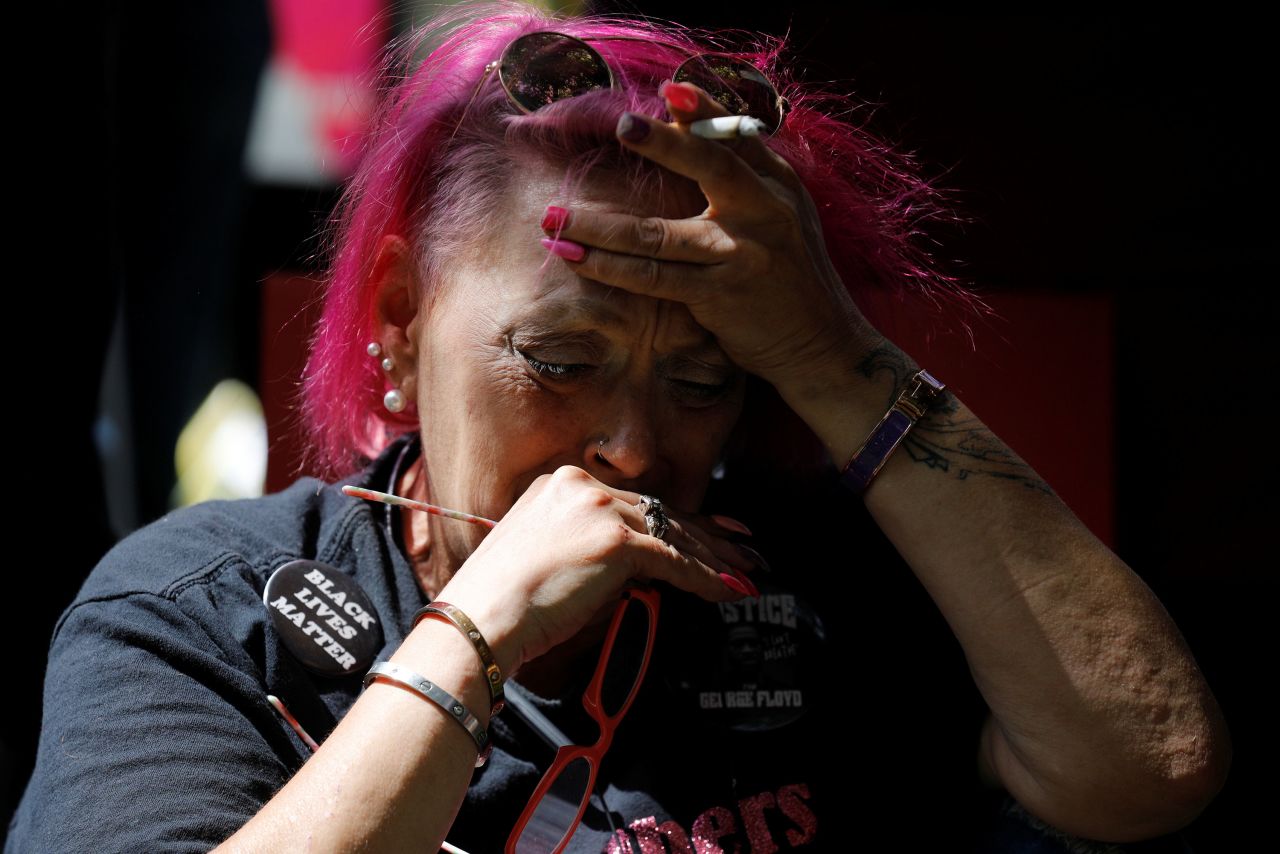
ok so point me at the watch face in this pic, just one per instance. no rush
(752, 665)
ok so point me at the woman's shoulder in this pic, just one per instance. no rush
(158, 674)
(236, 542)
(212, 560)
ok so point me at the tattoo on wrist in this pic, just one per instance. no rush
(949, 437)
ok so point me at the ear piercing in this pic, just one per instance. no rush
(375, 350)
(393, 400)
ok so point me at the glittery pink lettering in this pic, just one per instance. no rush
(712, 826)
(791, 800)
(619, 843)
(752, 810)
(650, 834)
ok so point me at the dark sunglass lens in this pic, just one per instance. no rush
(621, 678)
(557, 809)
(738, 86)
(541, 68)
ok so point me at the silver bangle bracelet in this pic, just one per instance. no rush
(406, 678)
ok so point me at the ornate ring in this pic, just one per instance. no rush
(655, 519)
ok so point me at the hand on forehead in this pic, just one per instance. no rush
(557, 298)
(570, 294)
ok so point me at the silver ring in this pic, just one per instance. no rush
(655, 519)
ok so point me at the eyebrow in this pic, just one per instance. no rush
(552, 315)
(574, 308)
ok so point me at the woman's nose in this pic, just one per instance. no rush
(626, 446)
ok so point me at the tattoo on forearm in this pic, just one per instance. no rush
(949, 437)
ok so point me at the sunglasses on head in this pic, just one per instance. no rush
(540, 68)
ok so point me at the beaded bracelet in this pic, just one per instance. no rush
(406, 678)
(455, 617)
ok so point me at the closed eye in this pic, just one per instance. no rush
(704, 390)
(691, 391)
(554, 370)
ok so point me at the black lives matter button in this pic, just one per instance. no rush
(323, 617)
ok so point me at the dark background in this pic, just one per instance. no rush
(1097, 154)
(1118, 155)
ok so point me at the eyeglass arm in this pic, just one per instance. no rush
(518, 701)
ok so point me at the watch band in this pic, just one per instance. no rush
(406, 678)
(910, 406)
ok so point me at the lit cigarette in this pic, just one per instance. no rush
(727, 127)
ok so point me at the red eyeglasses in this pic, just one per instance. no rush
(556, 808)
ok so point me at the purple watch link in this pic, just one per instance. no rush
(910, 406)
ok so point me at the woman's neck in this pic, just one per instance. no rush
(415, 527)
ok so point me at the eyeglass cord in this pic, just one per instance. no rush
(524, 708)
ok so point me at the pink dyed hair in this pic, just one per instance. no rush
(416, 170)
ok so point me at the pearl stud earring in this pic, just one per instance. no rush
(393, 400)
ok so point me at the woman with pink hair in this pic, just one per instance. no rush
(585, 270)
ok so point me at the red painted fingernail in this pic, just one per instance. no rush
(731, 524)
(734, 584)
(554, 219)
(748, 583)
(566, 249)
(680, 95)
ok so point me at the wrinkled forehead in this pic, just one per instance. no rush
(523, 275)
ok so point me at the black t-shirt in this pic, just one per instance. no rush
(837, 711)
